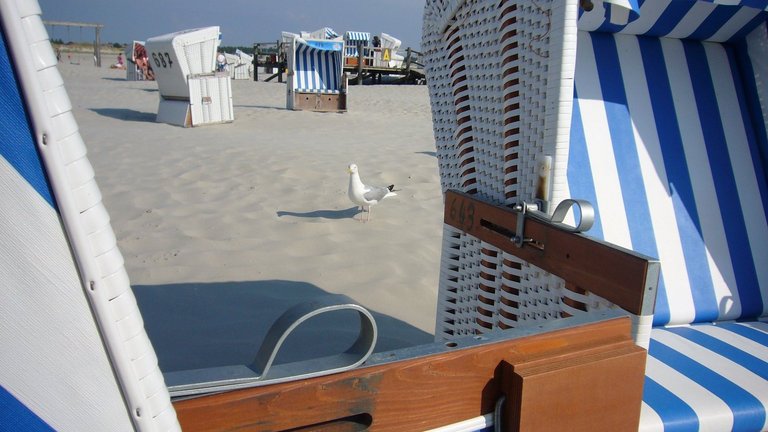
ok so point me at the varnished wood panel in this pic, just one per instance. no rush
(616, 274)
(415, 394)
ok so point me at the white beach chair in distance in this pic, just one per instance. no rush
(656, 115)
(392, 44)
(244, 70)
(191, 92)
(316, 79)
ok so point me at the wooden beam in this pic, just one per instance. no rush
(621, 276)
(72, 24)
(440, 389)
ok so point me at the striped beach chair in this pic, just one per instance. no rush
(353, 40)
(316, 79)
(653, 111)
(668, 138)
(325, 33)
(75, 355)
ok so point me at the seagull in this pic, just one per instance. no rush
(364, 195)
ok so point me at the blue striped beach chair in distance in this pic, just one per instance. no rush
(353, 39)
(316, 79)
(653, 111)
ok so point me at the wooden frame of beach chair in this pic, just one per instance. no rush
(656, 114)
(316, 79)
(571, 366)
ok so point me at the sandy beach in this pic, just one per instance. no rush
(235, 222)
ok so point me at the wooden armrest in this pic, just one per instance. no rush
(551, 379)
(623, 277)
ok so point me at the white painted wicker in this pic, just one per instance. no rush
(498, 75)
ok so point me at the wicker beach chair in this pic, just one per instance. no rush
(316, 79)
(191, 92)
(76, 357)
(244, 68)
(656, 115)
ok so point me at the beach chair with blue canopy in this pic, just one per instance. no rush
(76, 356)
(316, 79)
(354, 40)
(655, 113)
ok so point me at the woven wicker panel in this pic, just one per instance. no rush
(489, 72)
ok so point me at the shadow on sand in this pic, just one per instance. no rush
(323, 214)
(267, 107)
(126, 114)
(199, 325)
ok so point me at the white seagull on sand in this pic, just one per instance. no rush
(364, 195)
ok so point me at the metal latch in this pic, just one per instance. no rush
(582, 208)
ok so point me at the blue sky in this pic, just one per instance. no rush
(242, 22)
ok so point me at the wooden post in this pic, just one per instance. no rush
(282, 62)
(408, 61)
(97, 46)
(256, 62)
(360, 59)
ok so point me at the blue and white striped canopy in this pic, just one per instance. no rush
(330, 34)
(318, 67)
(711, 20)
(354, 36)
(666, 141)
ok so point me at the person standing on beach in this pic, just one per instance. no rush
(221, 62)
